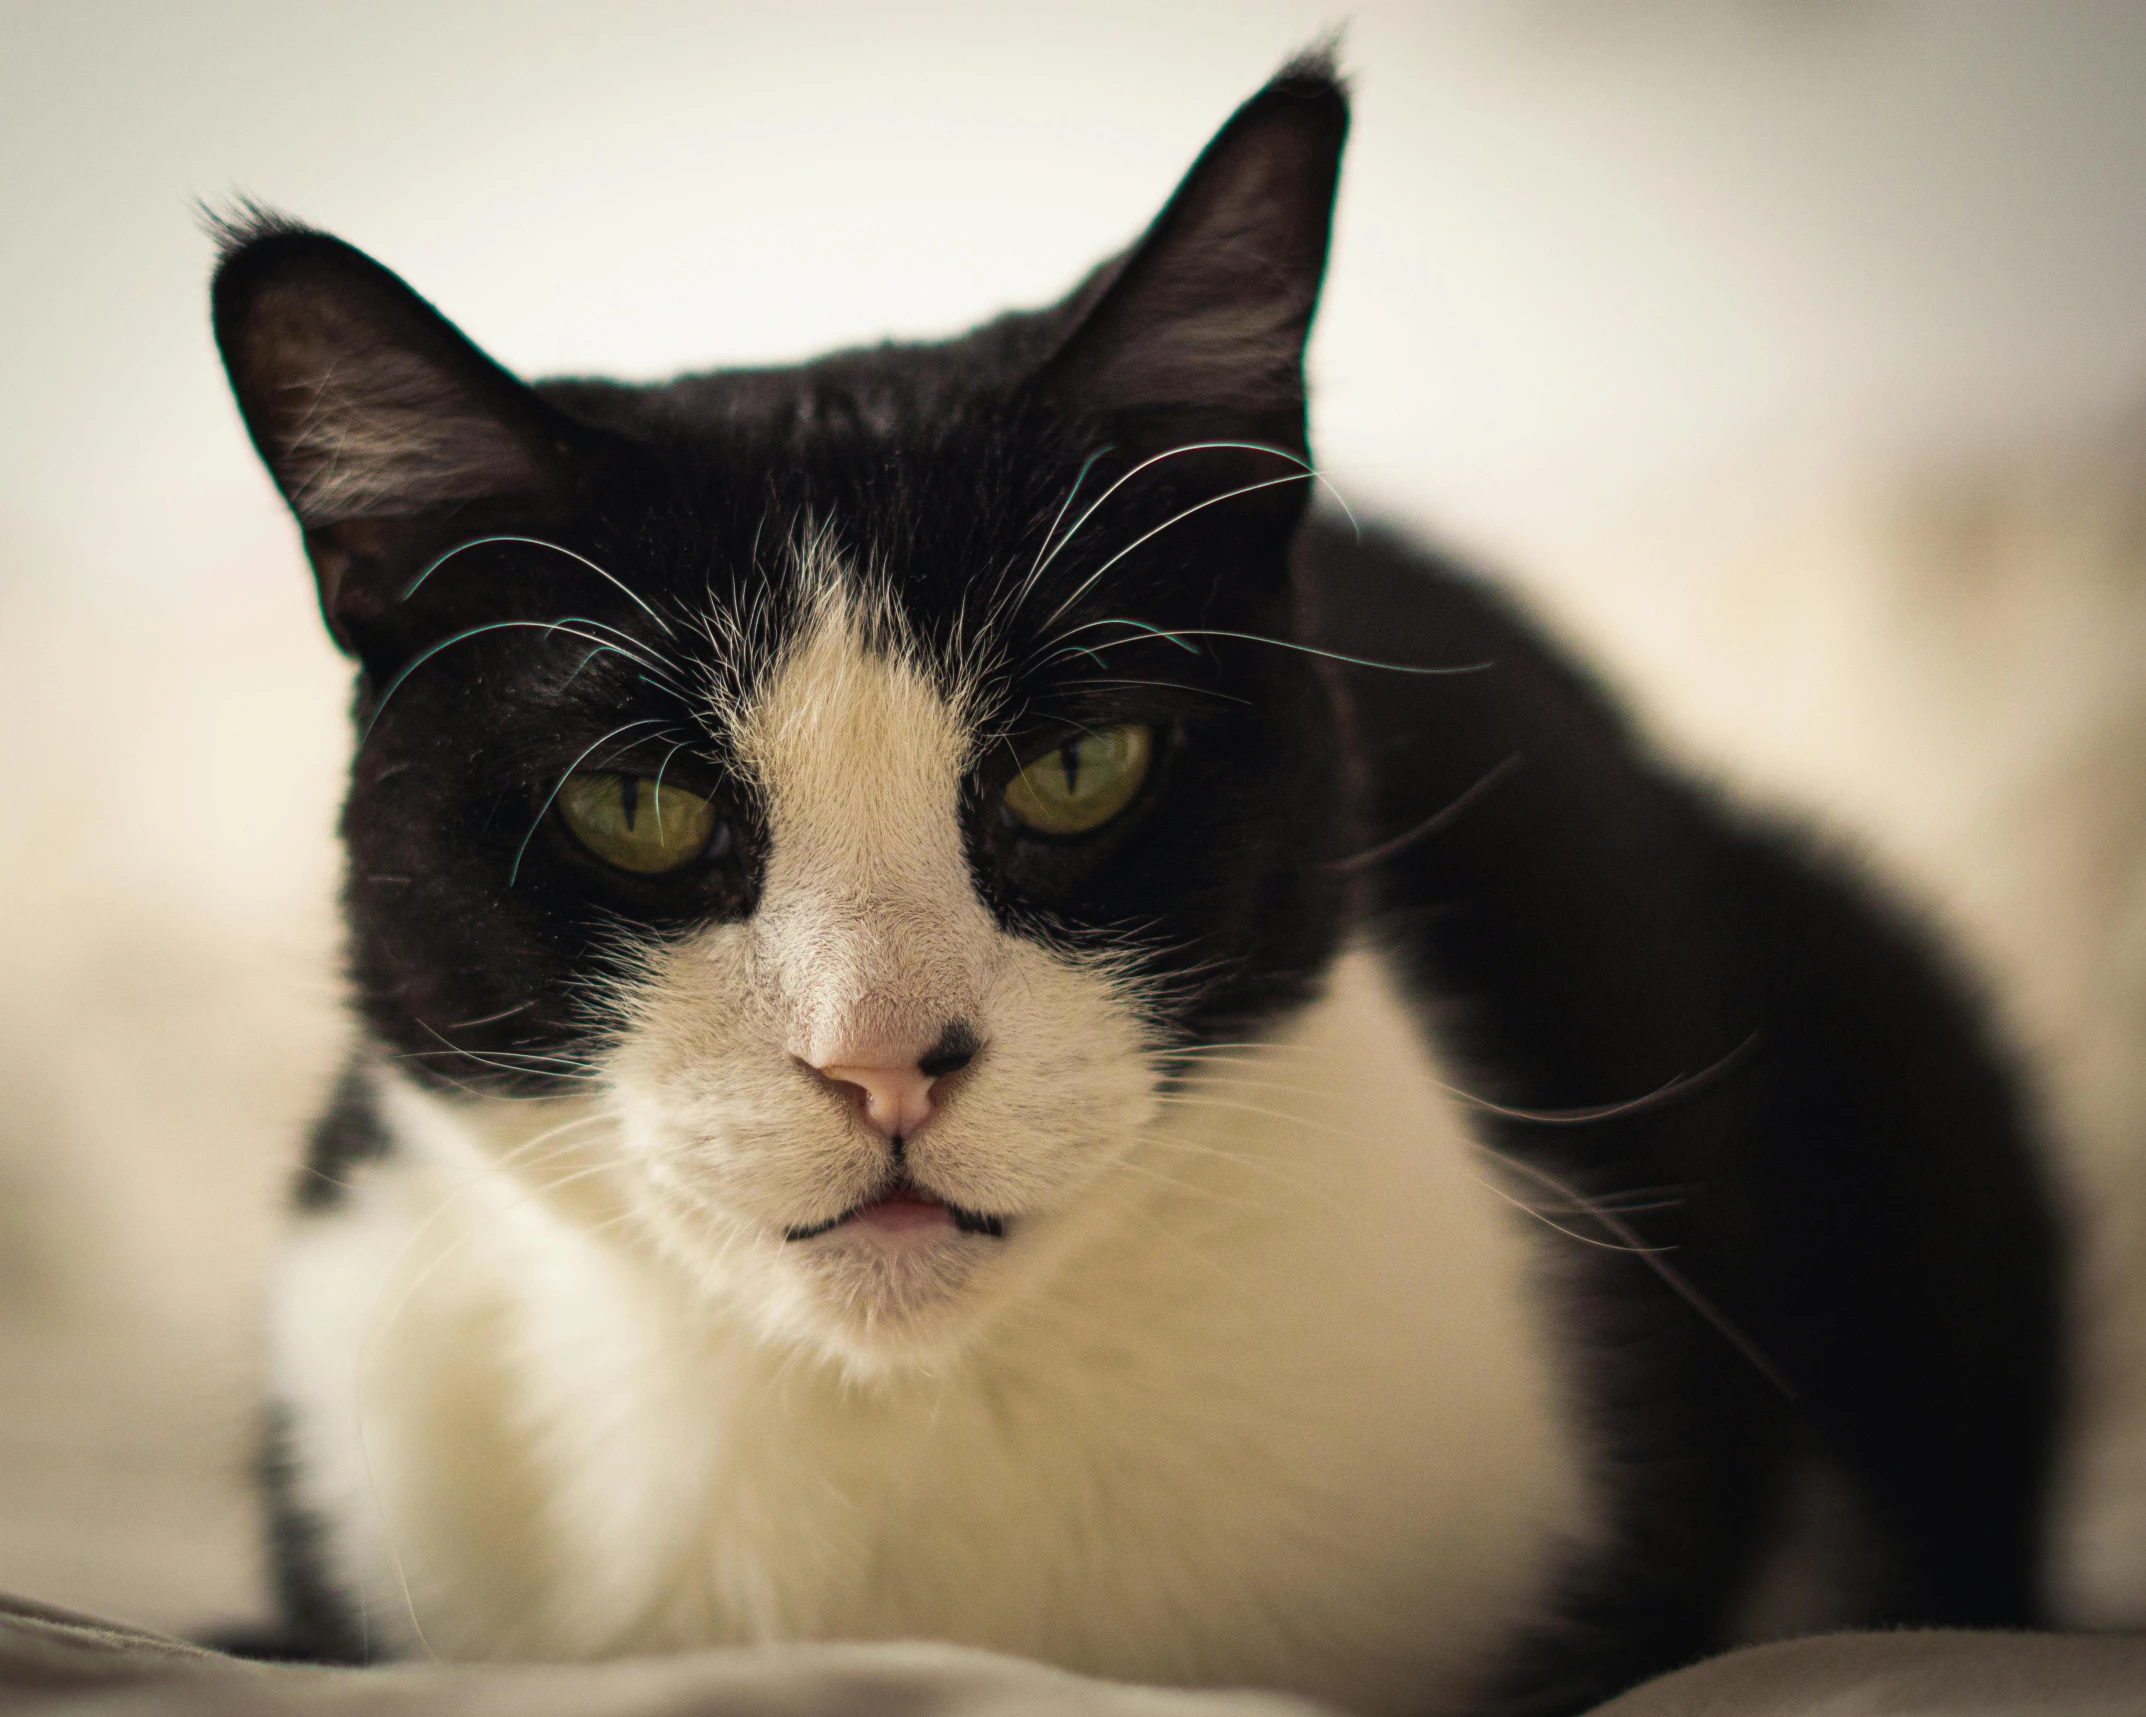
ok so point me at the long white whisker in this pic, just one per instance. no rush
(1172, 453)
(1079, 477)
(1251, 1054)
(545, 810)
(567, 626)
(1671, 1278)
(492, 1019)
(1088, 583)
(537, 542)
(545, 1066)
(1178, 635)
(550, 1066)
(1295, 1183)
(1541, 1216)
(656, 792)
(1158, 685)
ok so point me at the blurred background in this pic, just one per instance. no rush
(1789, 354)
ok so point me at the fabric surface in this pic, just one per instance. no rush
(1906, 1674)
(57, 1664)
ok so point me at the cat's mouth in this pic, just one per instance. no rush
(906, 1208)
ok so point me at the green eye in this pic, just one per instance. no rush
(1083, 784)
(630, 821)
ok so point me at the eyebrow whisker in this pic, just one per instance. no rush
(630, 594)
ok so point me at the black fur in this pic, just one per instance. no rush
(1854, 1194)
(1860, 1264)
(315, 1622)
(347, 1135)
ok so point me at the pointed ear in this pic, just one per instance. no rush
(383, 427)
(1202, 329)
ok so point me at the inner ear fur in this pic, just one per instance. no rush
(386, 430)
(1201, 332)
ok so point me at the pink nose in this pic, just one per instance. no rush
(897, 1100)
(900, 1095)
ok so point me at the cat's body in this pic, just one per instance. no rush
(1407, 1202)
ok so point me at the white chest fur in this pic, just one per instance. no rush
(1291, 1416)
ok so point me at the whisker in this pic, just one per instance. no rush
(1159, 685)
(1180, 633)
(1430, 825)
(1605, 1212)
(1296, 1184)
(1088, 583)
(1624, 1204)
(1682, 1085)
(1052, 553)
(502, 1060)
(1188, 1249)
(665, 679)
(656, 793)
(1208, 1100)
(1541, 1216)
(515, 869)
(536, 542)
(1213, 1195)
(1598, 1209)
(1672, 1278)
(524, 1194)
(548, 626)
(1172, 453)
(491, 1019)
(1065, 506)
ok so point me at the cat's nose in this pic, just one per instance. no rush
(897, 1100)
(899, 1097)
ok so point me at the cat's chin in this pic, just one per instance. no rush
(893, 1285)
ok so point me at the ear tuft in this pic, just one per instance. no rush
(1204, 324)
(1314, 71)
(233, 225)
(365, 403)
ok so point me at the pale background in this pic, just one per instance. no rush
(1787, 353)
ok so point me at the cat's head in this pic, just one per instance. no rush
(855, 780)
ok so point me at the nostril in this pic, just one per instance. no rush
(894, 1096)
(956, 1048)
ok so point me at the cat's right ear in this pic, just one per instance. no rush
(386, 430)
(1199, 333)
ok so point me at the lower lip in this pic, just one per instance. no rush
(904, 1213)
(908, 1210)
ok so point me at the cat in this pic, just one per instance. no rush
(979, 1023)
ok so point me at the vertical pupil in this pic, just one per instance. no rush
(629, 789)
(1069, 761)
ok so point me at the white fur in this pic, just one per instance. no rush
(1283, 1413)
(1258, 1388)
(387, 435)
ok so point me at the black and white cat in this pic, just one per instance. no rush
(973, 1029)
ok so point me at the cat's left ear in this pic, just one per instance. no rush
(1200, 333)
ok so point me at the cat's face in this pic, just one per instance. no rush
(856, 783)
(876, 1024)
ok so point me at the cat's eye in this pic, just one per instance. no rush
(640, 824)
(1084, 783)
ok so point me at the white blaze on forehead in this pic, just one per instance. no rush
(869, 927)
